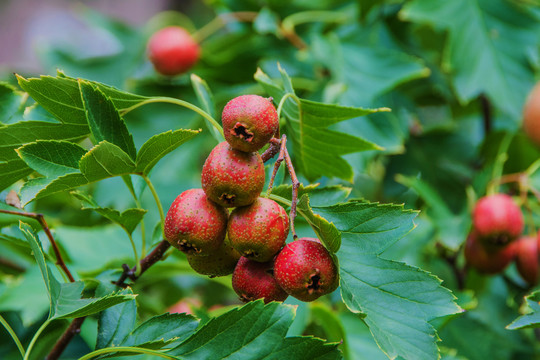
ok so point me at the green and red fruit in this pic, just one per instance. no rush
(527, 258)
(497, 219)
(194, 224)
(258, 231)
(249, 122)
(254, 280)
(306, 270)
(217, 263)
(486, 258)
(232, 178)
(172, 51)
(531, 115)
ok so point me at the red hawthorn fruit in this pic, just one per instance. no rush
(232, 178)
(172, 50)
(249, 122)
(527, 258)
(306, 270)
(194, 224)
(486, 258)
(531, 115)
(258, 231)
(497, 219)
(254, 280)
(217, 263)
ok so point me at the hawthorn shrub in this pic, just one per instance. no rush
(394, 120)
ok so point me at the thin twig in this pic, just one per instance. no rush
(73, 329)
(283, 155)
(295, 186)
(41, 219)
(151, 259)
(272, 150)
(11, 265)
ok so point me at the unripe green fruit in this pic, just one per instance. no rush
(194, 224)
(217, 263)
(253, 280)
(527, 258)
(497, 219)
(258, 231)
(488, 259)
(306, 270)
(172, 50)
(232, 178)
(531, 115)
(249, 122)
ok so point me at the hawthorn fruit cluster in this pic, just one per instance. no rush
(227, 227)
(496, 239)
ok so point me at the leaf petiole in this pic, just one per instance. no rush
(178, 102)
(127, 349)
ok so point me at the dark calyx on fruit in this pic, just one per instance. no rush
(258, 231)
(239, 130)
(249, 122)
(253, 280)
(232, 178)
(306, 270)
(194, 224)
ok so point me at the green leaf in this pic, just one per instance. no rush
(15, 135)
(116, 322)
(12, 102)
(372, 227)
(488, 31)
(102, 161)
(317, 150)
(371, 69)
(65, 299)
(52, 158)
(206, 99)
(158, 331)
(305, 348)
(452, 228)
(41, 187)
(253, 331)
(61, 97)
(105, 160)
(529, 320)
(396, 300)
(12, 136)
(11, 171)
(52, 285)
(325, 230)
(160, 145)
(104, 120)
(267, 22)
(69, 304)
(128, 219)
